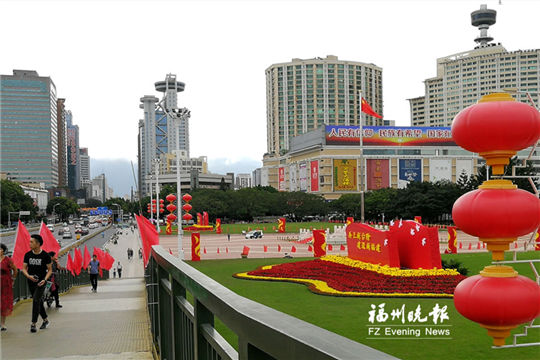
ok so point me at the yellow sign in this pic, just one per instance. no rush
(345, 175)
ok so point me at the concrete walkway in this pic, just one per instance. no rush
(110, 324)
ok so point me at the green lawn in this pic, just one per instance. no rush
(349, 316)
(290, 227)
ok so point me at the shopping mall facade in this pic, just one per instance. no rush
(326, 161)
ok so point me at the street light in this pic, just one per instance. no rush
(54, 213)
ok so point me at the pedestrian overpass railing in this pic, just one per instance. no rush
(185, 330)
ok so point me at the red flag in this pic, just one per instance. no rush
(69, 264)
(49, 242)
(78, 262)
(342, 247)
(108, 261)
(278, 248)
(245, 251)
(218, 250)
(265, 248)
(310, 248)
(22, 245)
(227, 250)
(293, 249)
(368, 110)
(170, 251)
(149, 236)
(204, 250)
(86, 258)
(330, 247)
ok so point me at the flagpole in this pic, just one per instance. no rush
(361, 136)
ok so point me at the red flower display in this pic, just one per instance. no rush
(330, 278)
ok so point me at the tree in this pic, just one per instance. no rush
(93, 202)
(65, 207)
(14, 199)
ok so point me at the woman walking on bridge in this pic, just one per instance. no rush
(8, 273)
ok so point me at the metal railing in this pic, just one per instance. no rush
(181, 330)
(64, 279)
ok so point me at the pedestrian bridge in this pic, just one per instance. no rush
(152, 317)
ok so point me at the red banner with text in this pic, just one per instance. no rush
(378, 174)
(370, 245)
(314, 175)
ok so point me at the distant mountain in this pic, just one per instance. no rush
(120, 177)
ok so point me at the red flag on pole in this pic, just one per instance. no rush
(278, 248)
(22, 245)
(78, 262)
(69, 264)
(149, 236)
(86, 258)
(218, 250)
(265, 248)
(368, 110)
(170, 251)
(227, 250)
(204, 250)
(342, 247)
(49, 242)
(310, 248)
(293, 249)
(245, 250)
(330, 247)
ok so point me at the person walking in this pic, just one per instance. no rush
(140, 253)
(128, 253)
(8, 273)
(119, 268)
(37, 269)
(229, 237)
(54, 278)
(93, 270)
(114, 273)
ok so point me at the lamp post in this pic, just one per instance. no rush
(179, 204)
(156, 164)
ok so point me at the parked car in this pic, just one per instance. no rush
(70, 222)
(61, 231)
(67, 235)
(50, 227)
(254, 234)
(84, 231)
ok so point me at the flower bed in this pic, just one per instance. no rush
(341, 276)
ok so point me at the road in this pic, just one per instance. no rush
(9, 240)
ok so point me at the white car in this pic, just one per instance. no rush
(50, 227)
(254, 234)
(67, 235)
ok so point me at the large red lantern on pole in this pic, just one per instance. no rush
(498, 299)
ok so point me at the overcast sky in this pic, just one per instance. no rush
(105, 55)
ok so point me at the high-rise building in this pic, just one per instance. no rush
(28, 120)
(162, 130)
(62, 143)
(303, 95)
(256, 177)
(85, 166)
(243, 181)
(73, 156)
(465, 77)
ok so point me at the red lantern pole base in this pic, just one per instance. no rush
(498, 160)
(498, 247)
(498, 333)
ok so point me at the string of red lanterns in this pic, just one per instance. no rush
(498, 213)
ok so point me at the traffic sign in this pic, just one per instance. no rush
(21, 213)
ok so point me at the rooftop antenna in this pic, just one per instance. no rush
(483, 19)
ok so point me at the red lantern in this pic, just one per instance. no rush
(171, 217)
(187, 207)
(186, 197)
(496, 128)
(170, 197)
(171, 207)
(187, 217)
(153, 201)
(498, 304)
(161, 201)
(161, 211)
(479, 213)
(161, 206)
